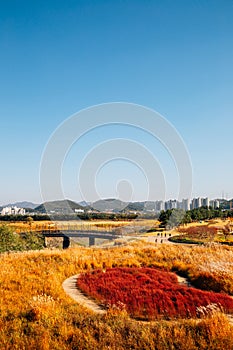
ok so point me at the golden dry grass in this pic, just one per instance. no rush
(218, 223)
(35, 312)
(77, 224)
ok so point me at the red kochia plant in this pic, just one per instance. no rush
(148, 293)
(202, 231)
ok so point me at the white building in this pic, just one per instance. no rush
(171, 204)
(185, 204)
(214, 204)
(205, 202)
(196, 203)
(12, 211)
(79, 210)
(159, 206)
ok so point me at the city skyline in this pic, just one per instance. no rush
(202, 201)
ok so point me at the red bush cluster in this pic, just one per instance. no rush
(148, 293)
(199, 231)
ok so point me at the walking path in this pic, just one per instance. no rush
(70, 287)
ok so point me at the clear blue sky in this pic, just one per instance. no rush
(58, 57)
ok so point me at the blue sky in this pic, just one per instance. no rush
(58, 57)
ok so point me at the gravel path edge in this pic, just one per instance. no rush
(71, 289)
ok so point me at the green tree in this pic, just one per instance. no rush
(9, 240)
(187, 218)
(32, 241)
(164, 217)
(176, 218)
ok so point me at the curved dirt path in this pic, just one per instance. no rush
(70, 287)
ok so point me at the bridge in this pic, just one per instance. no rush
(67, 234)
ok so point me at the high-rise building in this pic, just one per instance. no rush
(185, 204)
(171, 204)
(159, 206)
(214, 203)
(205, 202)
(196, 203)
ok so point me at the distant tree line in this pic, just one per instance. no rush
(107, 216)
(67, 217)
(174, 217)
(15, 218)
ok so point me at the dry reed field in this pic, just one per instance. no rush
(35, 312)
(105, 225)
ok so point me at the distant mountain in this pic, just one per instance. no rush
(149, 205)
(111, 204)
(135, 206)
(24, 204)
(65, 206)
(84, 203)
(140, 206)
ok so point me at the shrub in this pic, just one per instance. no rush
(11, 241)
(148, 293)
(8, 240)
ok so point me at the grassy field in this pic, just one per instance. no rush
(35, 312)
(126, 227)
(102, 225)
(218, 231)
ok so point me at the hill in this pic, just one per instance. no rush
(65, 206)
(84, 203)
(111, 204)
(24, 204)
(116, 205)
(140, 206)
